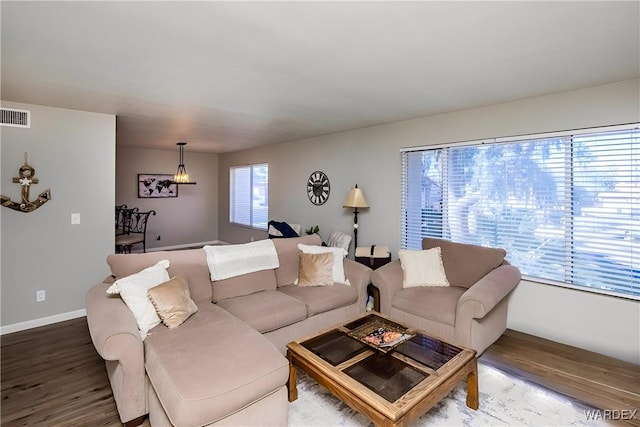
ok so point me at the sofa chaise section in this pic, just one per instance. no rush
(211, 367)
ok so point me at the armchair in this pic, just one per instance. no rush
(472, 312)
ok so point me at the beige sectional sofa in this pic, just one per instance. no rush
(225, 365)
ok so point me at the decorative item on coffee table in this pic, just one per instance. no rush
(381, 334)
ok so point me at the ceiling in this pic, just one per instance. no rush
(225, 76)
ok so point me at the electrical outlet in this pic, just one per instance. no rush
(41, 295)
(75, 218)
(158, 237)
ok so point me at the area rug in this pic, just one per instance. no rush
(504, 401)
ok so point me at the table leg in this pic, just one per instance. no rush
(291, 384)
(472, 386)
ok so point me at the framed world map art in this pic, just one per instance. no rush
(156, 186)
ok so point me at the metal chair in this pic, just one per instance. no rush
(124, 220)
(135, 226)
(119, 219)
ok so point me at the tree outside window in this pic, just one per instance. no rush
(566, 208)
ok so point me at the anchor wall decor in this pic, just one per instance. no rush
(26, 178)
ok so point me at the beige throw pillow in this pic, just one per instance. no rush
(422, 268)
(315, 269)
(338, 259)
(173, 302)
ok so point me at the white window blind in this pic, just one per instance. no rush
(565, 206)
(249, 194)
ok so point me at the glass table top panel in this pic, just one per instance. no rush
(335, 347)
(428, 351)
(387, 376)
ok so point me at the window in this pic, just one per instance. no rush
(566, 207)
(249, 195)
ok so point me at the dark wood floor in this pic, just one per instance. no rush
(52, 375)
(599, 381)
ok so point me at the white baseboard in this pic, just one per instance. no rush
(29, 324)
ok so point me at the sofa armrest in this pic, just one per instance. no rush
(487, 292)
(115, 336)
(113, 328)
(359, 276)
(388, 279)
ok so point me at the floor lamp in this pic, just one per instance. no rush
(355, 200)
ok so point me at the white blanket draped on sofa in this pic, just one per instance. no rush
(234, 260)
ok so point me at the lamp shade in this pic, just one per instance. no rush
(356, 199)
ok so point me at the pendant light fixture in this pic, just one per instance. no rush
(181, 176)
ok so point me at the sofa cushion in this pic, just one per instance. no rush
(246, 284)
(266, 311)
(315, 270)
(422, 268)
(188, 263)
(172, 301)
(211, 366)
(287, 250)
(433, 303)
(319, 299)
(466, 264)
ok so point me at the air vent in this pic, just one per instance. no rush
(15, 118)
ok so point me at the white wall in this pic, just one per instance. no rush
(191, 217)
(604, 324)
(73, 154)
(370, 157)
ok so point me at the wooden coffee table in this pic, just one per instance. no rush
(390, 388)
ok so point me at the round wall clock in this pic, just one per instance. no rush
(318, 188)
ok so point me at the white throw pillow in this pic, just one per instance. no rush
(338, 259)
(133, 291)
(422, 268)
